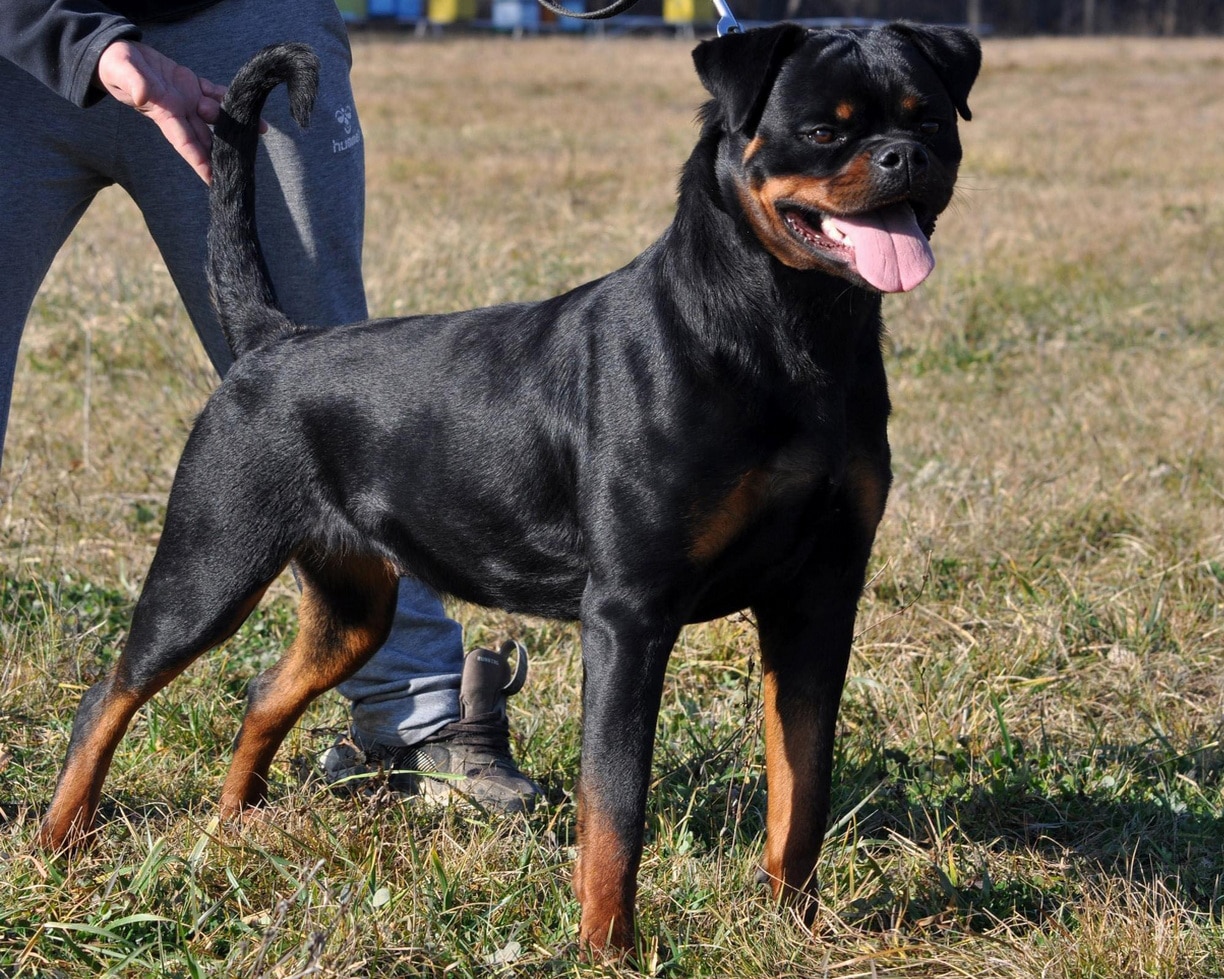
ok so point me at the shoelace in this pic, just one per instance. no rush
(489, 732)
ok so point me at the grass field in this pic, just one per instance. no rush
(1030, 777)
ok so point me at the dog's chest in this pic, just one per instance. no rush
(799, 470)
(802, 504)
(779, 492)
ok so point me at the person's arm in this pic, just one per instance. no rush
(59, 42)
(83, 50)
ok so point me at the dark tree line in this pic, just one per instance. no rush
(1157, 17)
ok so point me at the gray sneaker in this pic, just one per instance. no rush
(468, 759)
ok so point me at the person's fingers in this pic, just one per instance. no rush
(183, 104)
(192, 144)
(211, 89)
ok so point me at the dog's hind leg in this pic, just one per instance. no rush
(179, 616)
(345, 614)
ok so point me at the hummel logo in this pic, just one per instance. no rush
(344, 116)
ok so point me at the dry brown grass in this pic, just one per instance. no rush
(1029, 778)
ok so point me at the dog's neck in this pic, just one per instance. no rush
(726, 286)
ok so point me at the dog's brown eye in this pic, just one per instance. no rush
(930, 127)
(822, 135)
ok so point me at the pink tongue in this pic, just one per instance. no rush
(890, 250)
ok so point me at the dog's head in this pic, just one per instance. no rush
(841, 146)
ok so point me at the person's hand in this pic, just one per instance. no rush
(182, 103)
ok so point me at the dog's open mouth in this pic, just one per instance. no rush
(886, 247)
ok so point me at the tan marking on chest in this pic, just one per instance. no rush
(867, 484)
(719, 526)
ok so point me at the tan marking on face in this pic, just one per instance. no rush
(604, 878)
(753, 148)
(909, 103)
(844, 193)
(722, 524)
(844, 111)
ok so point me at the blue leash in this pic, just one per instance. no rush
(727, 24)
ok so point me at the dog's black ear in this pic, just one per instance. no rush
(739, 69)
(955, 54)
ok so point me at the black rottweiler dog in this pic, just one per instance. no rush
(700, 432)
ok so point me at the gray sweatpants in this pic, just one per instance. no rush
(55, 157)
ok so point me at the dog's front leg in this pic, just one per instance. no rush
(624, 656)
(805, 648)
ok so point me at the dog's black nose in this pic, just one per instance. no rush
(901, 159)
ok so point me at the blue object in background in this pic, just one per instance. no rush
(399, 9)
(516, 15)
(571, 23)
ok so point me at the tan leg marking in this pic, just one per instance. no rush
(604, 880)
(331, 644)
(70, 817)
(789, 764)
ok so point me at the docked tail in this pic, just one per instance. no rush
(241, 290)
